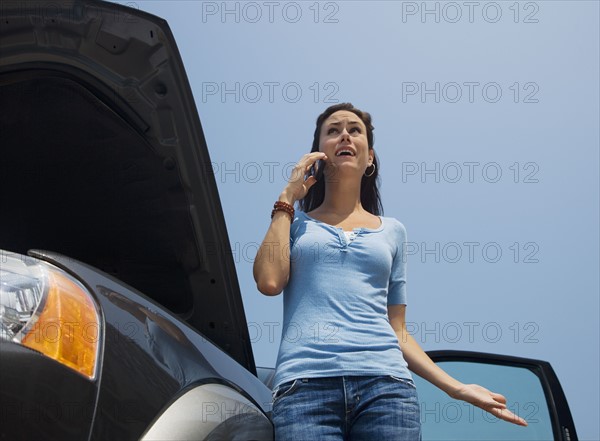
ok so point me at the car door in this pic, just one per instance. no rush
(531, 387)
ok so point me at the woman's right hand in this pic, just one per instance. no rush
(300, 182)
(271, 269)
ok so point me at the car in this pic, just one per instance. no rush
(121, 316)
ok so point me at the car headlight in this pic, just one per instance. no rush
(45, 309)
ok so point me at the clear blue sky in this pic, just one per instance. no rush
(487, 131)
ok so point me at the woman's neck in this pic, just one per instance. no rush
(342, 198)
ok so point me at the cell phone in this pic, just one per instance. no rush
(317, 168)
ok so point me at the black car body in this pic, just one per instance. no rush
(103, 161)
(132, 325)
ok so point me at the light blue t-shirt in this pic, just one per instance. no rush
(335, 318)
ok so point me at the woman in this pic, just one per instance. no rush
(344, 360)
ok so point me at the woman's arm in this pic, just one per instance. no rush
(272, 264)
(271, 268)
(420, 363)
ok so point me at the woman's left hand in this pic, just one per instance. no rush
(489, 401)
(420, 363)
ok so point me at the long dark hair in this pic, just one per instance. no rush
(369, 186)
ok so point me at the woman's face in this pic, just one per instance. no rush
(344, 140)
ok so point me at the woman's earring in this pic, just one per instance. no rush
(370, 174)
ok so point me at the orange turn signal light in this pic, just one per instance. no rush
(67, 328)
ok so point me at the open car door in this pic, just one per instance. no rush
(531, 386)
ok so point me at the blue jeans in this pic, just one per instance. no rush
(347, 408)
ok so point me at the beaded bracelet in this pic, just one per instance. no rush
(283, 206)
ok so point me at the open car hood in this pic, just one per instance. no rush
(104, 159)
